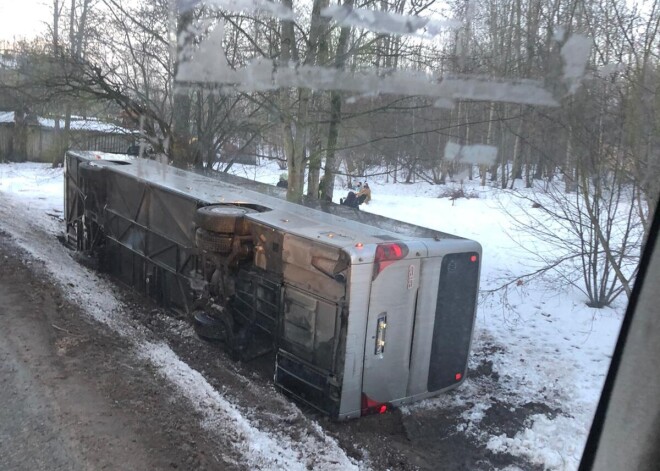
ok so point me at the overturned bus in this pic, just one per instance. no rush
(363, 313)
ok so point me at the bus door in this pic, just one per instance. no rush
(390, 325)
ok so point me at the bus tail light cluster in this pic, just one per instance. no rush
(387, 254)
(370, 407)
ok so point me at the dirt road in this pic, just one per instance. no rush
(70, 398)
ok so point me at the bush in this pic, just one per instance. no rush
(456, 193)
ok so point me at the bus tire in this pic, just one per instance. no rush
(213, 328)
(213, 242)
(225, 219)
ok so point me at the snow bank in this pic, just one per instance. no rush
(550, 443)
(261, 450)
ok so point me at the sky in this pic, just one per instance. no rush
(23, 19)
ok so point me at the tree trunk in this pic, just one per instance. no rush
(335, 115)
(66, 135)
(465, 140)
(314, 176)
(333, 135)
(179, 150)
(489, 140)
(570, 171)
(296, 132)
(58, 154)
(516, 166)
(19, 141)
(504, 161)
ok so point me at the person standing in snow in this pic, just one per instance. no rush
(322, 195)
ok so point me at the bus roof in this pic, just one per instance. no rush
(311, 218)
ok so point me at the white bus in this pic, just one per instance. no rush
(363, 313)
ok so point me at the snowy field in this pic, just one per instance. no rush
(543, 344)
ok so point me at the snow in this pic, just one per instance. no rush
(552, 348)
(207, 63)
(575, 53)
(78, 123)
(386, 22)
(475, 154)
(546, 346)
(380, 22)
(557, 350)
(269, 8)
(6, 116)
(86, 124)
(551, 443)
(261, 450)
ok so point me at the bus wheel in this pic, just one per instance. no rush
(215, 328)
(213, 242)
(225, 219)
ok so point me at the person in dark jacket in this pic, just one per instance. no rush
(350, 200)
(283, 183)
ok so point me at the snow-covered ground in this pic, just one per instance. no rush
(556, 349)
(546, 346)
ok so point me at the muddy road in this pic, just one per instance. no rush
(71, 398)
(78, 394)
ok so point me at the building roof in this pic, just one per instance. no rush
(78, 123)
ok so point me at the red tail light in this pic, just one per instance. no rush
(387, 254)
(369, 406)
